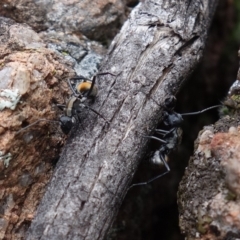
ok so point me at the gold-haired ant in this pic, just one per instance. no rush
(85, 89)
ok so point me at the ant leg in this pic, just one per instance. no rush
(100, 115)
(105, 73)
(202, 111)
(96, 112)
(61, 106)
(161, 131)
(155, 138)
(32, 124)
(155, 178)
(78, 120)
(164, 132)
(78, 78)
(92, 85)
(71, 87)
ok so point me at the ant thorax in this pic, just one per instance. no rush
(173, 139)
(172, 119)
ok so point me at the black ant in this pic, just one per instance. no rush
(170, 139)
(85, 89)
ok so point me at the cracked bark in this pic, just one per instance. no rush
(157, 48)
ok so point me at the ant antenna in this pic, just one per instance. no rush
(71, 87)
(92, 85)
(32, 124)
(202, 111)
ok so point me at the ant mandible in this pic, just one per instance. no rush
(170, 139)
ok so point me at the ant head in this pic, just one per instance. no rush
(172, 119)
(170, 102)
(66, 124)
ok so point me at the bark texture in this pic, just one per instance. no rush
(157, 48)
(28, 71)
(94, 19)
(209, 193)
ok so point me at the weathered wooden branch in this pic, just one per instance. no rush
(157, 48)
